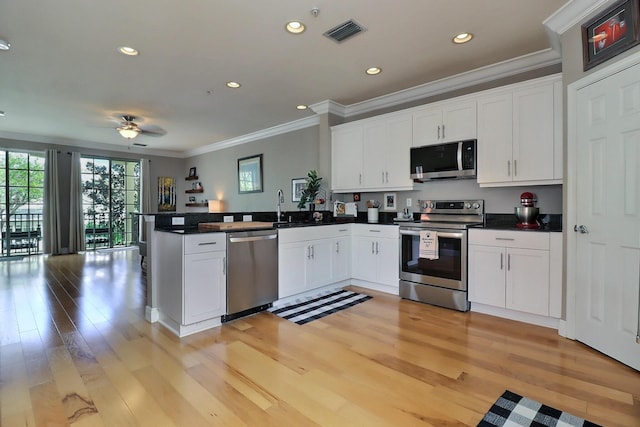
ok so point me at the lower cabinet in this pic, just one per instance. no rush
(191, 280)
(513, 270)
(375, 255)
(312, 257)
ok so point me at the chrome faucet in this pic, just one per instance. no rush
(279, 205)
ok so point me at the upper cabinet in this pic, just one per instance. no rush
(520, 134)
(444, 122)
(372, 154)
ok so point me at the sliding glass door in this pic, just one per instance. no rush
(111, 192)
(21, 201)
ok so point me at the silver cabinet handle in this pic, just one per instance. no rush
(508, 167)
(582, 229)
(252, 238)
(515, 168)
(343, 230)
(360, 178)
(224, 266)
(386, 174)
(206, 243)
(438, 132)
(313, 252)
(509, 262)
(443, 132)
(308, 252)
(337, 247)
(373, 245)
(505, 238)
(501, 261)
(374, 231)
(376, 248)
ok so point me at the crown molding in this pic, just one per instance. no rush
(328, 106)
(572, 13)
(261, 134)
(20, 137)
(485, 74)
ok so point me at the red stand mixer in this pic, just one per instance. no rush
(527, 214)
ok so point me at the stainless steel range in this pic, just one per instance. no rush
(433, 252)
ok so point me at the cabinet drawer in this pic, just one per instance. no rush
(313, 232)
(510, 239)
(206, 242)
(374, 230)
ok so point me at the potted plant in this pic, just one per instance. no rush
(310, 192)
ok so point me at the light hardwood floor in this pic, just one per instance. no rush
(75, 349)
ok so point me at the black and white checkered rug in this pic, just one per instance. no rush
(304, 311)
(513, 410)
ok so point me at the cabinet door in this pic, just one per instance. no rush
(346, 157)
(459, 121)
(365, 261)
(292, 267)
(427, 124)
(341, 259)
(319, 263)
(487, 275)
(204, 286)
(374, 154)
(495, 138)
(387, 254)
(533, 133)
(528, 281)
(398, 161)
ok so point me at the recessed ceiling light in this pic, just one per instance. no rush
(128, 50)
(462, 38)
(233, 85)
(301, 107)
(295, 27)
(372, 71)
(4, 45)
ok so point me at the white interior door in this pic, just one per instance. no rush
(607, 273)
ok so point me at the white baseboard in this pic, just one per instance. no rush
(151, 314)
(184, 330)
(393, 290)
(548, 322)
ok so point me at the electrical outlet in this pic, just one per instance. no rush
(409, 202)
(227, 218)
(247, 218)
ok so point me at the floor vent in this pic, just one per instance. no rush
(345, 30)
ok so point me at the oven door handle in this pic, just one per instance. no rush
(416, 232)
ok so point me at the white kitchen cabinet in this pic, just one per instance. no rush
(375, 254)
(444, 122)
(191, 280)
(519, 134)
(372, 154)
(311, 257)
(511, 269)
(346, 156)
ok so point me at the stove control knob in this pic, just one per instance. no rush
(467, 205)
(431, 205)
(476, 205)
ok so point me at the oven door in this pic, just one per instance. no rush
(448, 271)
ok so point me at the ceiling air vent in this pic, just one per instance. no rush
(345, 30)
(139, 144)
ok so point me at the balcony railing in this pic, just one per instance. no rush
(21, 234)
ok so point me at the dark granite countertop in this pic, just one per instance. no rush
(548, 222)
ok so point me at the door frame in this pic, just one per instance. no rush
(567, 328)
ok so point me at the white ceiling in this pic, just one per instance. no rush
(63, 80)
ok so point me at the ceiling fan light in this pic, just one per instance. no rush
(129, 132)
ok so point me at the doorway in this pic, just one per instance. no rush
(603, 211)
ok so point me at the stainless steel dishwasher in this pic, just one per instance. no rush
(252, 272)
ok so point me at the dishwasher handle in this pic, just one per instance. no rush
(252, 238)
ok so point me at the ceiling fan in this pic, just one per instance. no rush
(130, 129)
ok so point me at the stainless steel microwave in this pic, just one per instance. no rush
(450, 160)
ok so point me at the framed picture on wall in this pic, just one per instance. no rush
(389, 202)
(250, 174)
(297, 186)
(610, 33)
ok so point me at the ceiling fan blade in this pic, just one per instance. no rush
(153, 131)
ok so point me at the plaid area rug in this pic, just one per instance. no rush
(512, 410)
(304, 311)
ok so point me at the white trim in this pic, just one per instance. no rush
(261, 134)
(547, 322)
(572, 13)
(328, 106)
(151, 314)
(571, 181)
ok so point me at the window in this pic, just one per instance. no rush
(21, 202)
(111, 192)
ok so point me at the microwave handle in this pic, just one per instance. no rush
(416, 232)
(459, 156)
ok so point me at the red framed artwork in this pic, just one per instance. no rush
(610, 33)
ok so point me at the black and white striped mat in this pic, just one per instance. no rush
(304, 311)
(512, 410)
